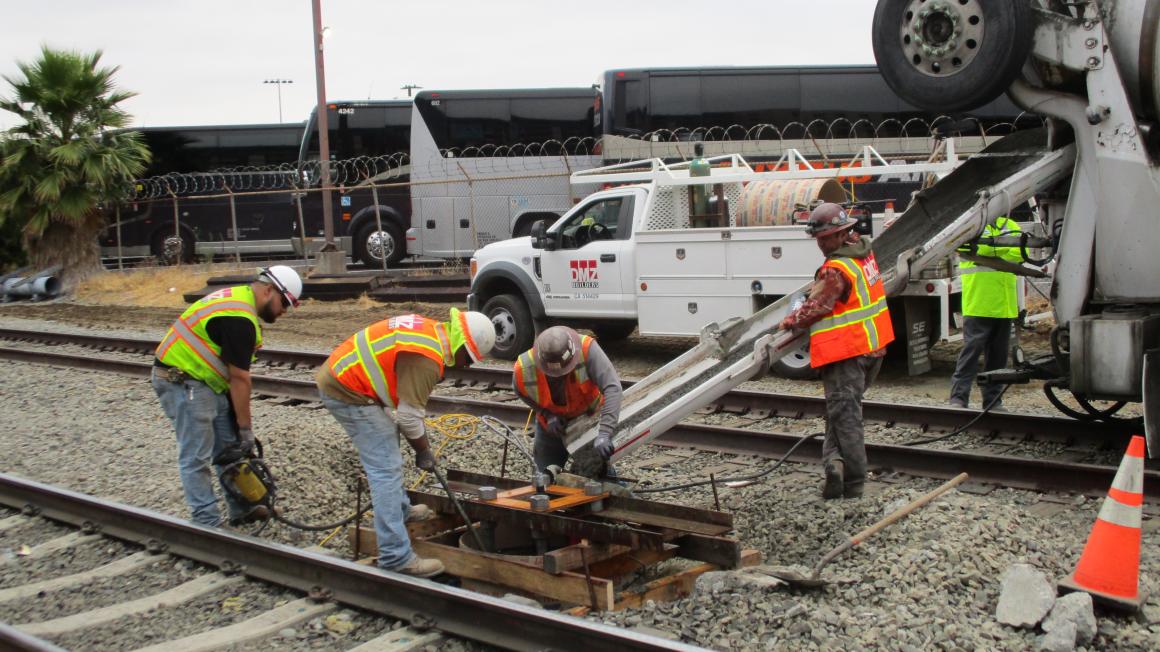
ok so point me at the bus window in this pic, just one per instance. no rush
(749, 99)
(538, 120)
(630, 111)
(675, 101)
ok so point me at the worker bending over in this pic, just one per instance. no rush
(849, 330)
(566, 375)
(395, 364)
(990, 306)
(202, 376)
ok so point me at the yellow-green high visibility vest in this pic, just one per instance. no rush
(987, 292)
(187, 344)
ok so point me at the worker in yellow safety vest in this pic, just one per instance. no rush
(201, 374)
(990, 306)
(849, 327)
(394, 365)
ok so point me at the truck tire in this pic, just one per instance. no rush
(951, 55)
(169, 249)
(796, 365)
(514, 330)
(613, 331)
(370, 243)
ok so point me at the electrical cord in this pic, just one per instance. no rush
(963, 428)
(755, 476)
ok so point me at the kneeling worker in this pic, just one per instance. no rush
(849, 330)
(564, 376)
(395, 364)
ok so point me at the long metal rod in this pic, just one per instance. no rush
(455, 611)
(467, 522)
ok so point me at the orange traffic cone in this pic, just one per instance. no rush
(1109, 568)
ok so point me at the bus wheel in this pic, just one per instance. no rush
(951, 56)
(170, 249)
(371, 245)
(514, 330)
(796, 364)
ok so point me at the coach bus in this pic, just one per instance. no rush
(193, 153)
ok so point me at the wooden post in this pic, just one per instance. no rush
(120, 257)
(379, 225)
(234, 223)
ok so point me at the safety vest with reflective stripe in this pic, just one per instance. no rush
(988, 292)
(187, 344)
(582, 396)
(365, 362)
(858, 325)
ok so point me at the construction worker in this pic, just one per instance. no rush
(849, 329)
(990, 306)
(394, 365)
(202, 376)
(566, 375)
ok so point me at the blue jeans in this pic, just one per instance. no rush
(205, 427)
(377, 439)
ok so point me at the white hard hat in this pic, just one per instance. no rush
(284, 279)
(477, 331)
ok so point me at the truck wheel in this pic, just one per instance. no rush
(951, 55)
(514, 331)
(370, 244)
(795, 365)
(170, 249)
(614, 331)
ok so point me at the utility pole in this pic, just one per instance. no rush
(409, 88)
(323, 130)
(278, 83)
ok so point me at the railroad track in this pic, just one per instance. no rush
(985, 468)
(754, 404)
(272, 588)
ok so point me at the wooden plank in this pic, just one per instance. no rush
(177, 595)
(406, 639)
(565, 587)
(724, 552)
(667, 522)
(261, 626)
(630, 563)
(53, 546)
(673, 587)
(573, 557)
(681, 512)
(13, 522)
(119, 567)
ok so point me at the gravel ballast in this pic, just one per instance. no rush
(928, 582)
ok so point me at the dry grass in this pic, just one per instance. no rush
(158, 287)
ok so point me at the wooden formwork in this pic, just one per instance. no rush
(601, 545)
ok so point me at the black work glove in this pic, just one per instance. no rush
(603, 445)
(246, 440)
(425, 460)
(556, 426)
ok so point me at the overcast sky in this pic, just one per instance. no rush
(200, 62)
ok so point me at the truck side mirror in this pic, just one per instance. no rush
(540, 238)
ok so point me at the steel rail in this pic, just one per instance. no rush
(1016, 472)
(423, 603)
(927, 418)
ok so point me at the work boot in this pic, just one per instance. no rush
(255, 514)
(853, 490)
(954, 402)
(417, 513)
(832, 487)
(419, 567)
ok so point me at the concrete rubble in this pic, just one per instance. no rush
(1060, 639)
(1025, 596)
(1077, 609)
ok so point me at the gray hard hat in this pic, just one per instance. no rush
(557, 351)
(828, 218)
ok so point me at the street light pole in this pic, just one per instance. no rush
(278, 83)
(323, 130)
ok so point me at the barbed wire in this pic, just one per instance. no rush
(825, 139)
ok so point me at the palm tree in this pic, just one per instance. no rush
(66, 160)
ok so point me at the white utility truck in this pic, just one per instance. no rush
(633, 256)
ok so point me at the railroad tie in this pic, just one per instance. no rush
(177, 595)
(120, 567)
(401, 640)
(52, 546)
(261, 626)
